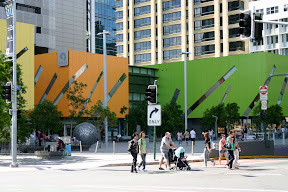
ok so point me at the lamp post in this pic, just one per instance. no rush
(104, 33)
(185, 88)
(216, 119)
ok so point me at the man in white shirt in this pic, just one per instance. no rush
(193, 135)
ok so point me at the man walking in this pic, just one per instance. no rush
(166, 144)
(193, 135)
(237, 149)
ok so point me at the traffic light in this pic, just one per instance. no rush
(245, 24)
(151, 94)
(6, 92)
(258, 29)
(263, 116)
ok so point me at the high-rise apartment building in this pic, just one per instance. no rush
(157, 31)
(275, 37)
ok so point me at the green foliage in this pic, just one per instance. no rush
(256, 116)
(6, 69)
(274, 115)
(172, 120)
(137, 116)
(226, 115)
(46, 116)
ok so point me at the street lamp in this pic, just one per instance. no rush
(216, 119)
(104, 33)
(185, 88)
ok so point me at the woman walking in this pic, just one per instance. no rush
(180, 137)
(222, 149)
(230, 149)
(143, 150)
(133, 148)
(186, 135)
(207, 149)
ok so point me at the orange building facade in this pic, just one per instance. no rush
(55, 73)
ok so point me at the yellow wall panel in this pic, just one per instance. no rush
(24, 37)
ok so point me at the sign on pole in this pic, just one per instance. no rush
(154, 115)
(10, 28)
(263, 93)
(263, 105)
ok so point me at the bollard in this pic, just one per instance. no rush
(80, 146)
(113, 146)
(274, 138)
(192, 148)
(283, 138)
(96, 146)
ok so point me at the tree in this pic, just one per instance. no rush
(274, 115)
(46, 117)
(76, 101)
(172, 120)
(137, 116)
(208, 121)
(231, 112)
(99, 118)
(6, 69)
(256, 116)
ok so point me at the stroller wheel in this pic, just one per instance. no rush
(188, 168)
(181, 168)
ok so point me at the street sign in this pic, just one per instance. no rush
(263, 93)
(263, 105)
(154, 115)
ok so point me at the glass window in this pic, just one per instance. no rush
(119, 26)
(140, 1)
(171, 4)
(171, 17)
(233, 19)
(143, 58)
(271, 10)
(171, 41)
(142, 46)
(119, 15)
(260, 11)
(236, 46)
(142, 34)
(141, 10)
(201, 37)
(172, 29)
(201, 1)
(119, 38)
(202, 24)
(198, 12)
(119, 3)
(120, 49)
(171, 54)
(203, 50)
(28, 8)
(142, 22)
(285, 7)
(235, 5)
(234, 32)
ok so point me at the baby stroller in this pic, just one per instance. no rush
(180, 160)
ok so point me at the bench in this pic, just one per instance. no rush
(49, 155)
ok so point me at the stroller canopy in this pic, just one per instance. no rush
(179, 151)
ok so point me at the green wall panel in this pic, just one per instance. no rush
(252, 71)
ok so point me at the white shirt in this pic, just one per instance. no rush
(193, 134)
(119, 136)
(283, 130)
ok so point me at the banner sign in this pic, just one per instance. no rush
(10, 27)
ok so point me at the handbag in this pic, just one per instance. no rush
(227, 145)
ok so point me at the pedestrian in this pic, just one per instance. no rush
(237, 149)
(193, 135)
(39, 137)
(133, 148)
(118, 137)
(187, 136)
(180, 137)
(207, 149)
(230, 149)
(245, 130)
(142, 150)
(166, 144)
(211, 134)
(250, 131)
(60, 144)
(222, 150)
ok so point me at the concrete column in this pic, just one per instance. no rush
(191, 28)
(183, 28)
(225, 28)
(125, 28)
(131, 32)
(153, 32)
(217, 28)
(160, 31)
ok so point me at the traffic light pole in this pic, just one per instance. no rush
(154, 143)
(14, 96)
